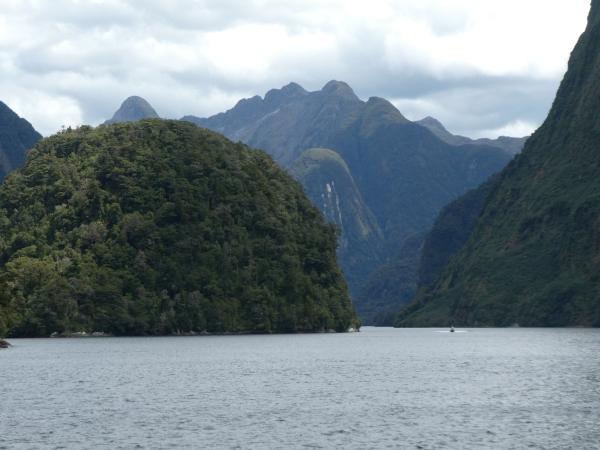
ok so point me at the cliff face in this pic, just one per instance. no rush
(329, 184)
(534, 257)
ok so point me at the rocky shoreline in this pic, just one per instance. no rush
(84, 334)
(80, 334)
(4, 344)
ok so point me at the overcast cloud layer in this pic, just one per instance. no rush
(482, 67)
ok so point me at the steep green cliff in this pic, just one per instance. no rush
(534, 256)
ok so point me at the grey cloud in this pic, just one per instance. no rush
(99, 53)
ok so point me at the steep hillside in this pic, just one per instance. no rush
(330, 186)
(132, 109)
(407, 175)
(421, 259)
(450, 232)
(17, 136)
(160, 227)
(534, 257)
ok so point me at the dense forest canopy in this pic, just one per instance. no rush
(160, 227)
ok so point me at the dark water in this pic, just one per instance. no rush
(381, 388)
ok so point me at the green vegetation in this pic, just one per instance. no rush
(450, 232)
(534, 255)
(160, 227)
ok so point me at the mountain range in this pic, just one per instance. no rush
(533, 255)
(379, 177)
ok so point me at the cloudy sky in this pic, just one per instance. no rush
(483, 67)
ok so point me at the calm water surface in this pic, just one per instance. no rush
(380, 388)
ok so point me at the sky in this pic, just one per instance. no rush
(483, 67)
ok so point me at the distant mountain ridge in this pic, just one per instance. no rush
(290, 120)
(397, 174)
(17, 136)
(512, 145)
(134, 108)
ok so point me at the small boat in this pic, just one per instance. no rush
(451, 329)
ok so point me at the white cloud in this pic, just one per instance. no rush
(514, 128)
(42, 110)
(68, 61)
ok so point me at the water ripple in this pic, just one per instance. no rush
(381, 388)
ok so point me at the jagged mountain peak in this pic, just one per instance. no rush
(340, 88)
(288, 92)
(432, 122)
(132, 109)
(250, 102)
(383, 105)
(379, 112)
(293, 88)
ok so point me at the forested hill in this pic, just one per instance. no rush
(534, 256)
(160, 227)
